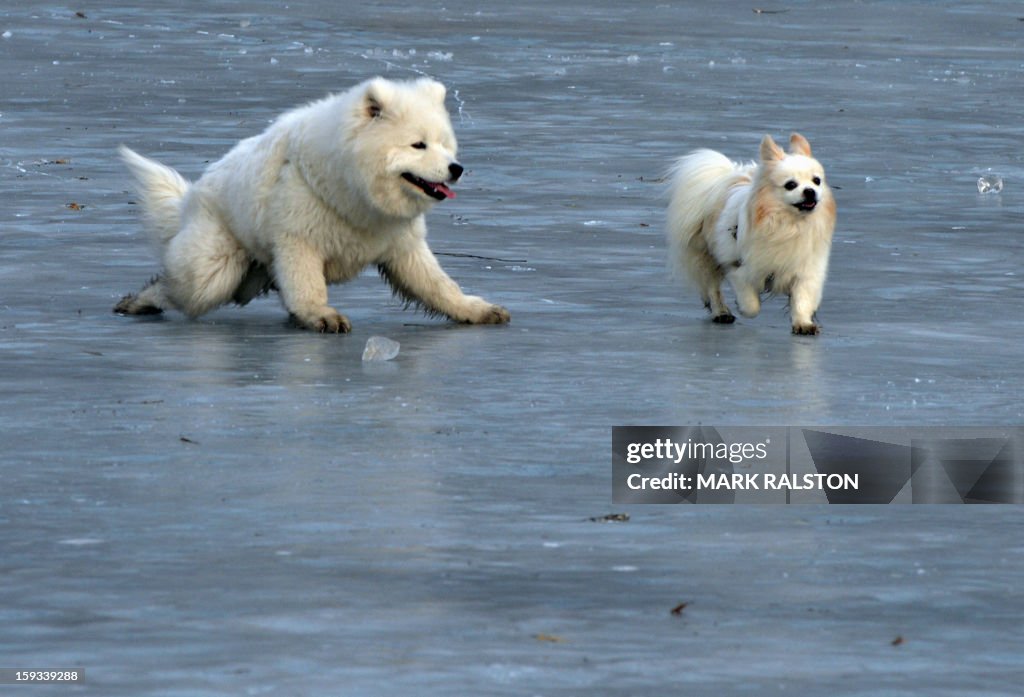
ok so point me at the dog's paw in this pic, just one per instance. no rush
(132, 305)
(327, 320)
(811, 329)
(334, 323)
(479, 311)
(495, 314)
(726, 318)
(492, 314)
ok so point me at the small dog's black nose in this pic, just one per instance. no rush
(810, 194)
(455, 169)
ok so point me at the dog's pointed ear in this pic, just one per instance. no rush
(377, 97)
(798, 145)
(432, 88)
(770, 151)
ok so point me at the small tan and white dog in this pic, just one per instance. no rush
(764, 226)
(326, 190)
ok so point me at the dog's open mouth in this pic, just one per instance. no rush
(435, 190)
(806, 206)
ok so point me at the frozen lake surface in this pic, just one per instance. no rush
(233, 507)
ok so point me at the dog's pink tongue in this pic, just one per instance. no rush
(448, 193)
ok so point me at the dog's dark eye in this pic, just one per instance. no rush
(817, 181)
(790, 185)
(420, 145)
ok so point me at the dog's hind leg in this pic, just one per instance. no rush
(697, 264)
(714, 301)
(709, 276)
(148, 301)
(203, 265)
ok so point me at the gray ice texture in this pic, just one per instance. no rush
(231, 506)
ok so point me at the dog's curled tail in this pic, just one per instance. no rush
(699, 184)
(161, 191)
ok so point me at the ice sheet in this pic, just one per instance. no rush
(232, 506)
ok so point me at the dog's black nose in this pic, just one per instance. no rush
(455, 169)
(810, 194)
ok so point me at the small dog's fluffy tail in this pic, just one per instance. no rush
(699, 185)
(161, 191)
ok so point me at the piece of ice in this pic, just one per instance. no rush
(7, 34)
(990, 184)
(380, 348)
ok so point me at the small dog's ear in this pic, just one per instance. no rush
(770, 151)
(798, 145)
(376, 97)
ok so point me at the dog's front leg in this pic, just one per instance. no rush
(748, 297)
(299, 274)
(414, 274)
(804, 299)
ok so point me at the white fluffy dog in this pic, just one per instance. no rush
(765, 227)
(326, 190)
